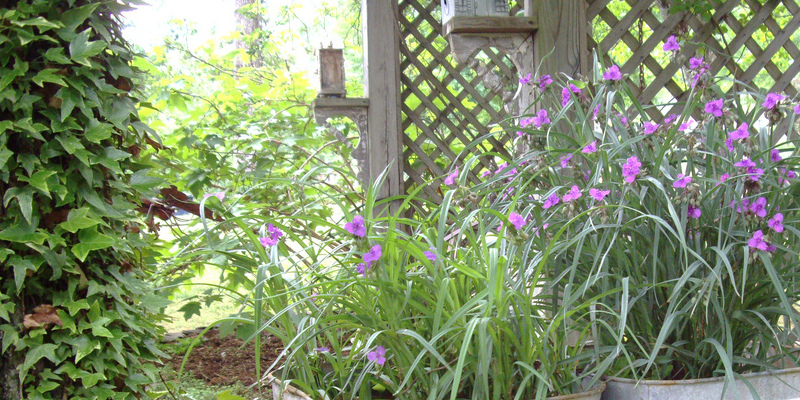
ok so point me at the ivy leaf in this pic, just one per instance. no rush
(24, 197)
(39, 180)
(90, 240)
(23, 233)
(5, 154)
(78, 219)
(72, 18)
(36, 353)
(21, 266)
(43, 24)
(83, 346)
(80, 48)
(141, 181)
(10, 336)
(48, 75)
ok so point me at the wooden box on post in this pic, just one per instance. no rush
(473, 8)
(331, 73)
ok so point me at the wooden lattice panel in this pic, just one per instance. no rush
(741, 41)
(447, 105)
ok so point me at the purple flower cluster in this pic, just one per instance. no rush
(273, 235)
(356, 227)
(631, 169)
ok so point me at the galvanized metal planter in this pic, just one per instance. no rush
(594, 394)
(770, 385)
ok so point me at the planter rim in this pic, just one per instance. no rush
(289, 388)
(653, 382)
(599, 387)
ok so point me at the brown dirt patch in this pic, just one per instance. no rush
(225, 361)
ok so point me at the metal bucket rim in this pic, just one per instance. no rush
(599, 387)
(653, 382)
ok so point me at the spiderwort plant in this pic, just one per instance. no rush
(696, 218)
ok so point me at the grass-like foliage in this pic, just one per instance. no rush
(696, 220)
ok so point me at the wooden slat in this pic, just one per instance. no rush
(464, 24)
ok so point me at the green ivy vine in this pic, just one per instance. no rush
(77, 320)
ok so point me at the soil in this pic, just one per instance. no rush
(223, 361)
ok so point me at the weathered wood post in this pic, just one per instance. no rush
(561, 43)
(382, 88)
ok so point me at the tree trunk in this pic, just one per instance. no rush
(9, 360)
(247, 26)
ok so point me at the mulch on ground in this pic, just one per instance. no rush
(225, 361)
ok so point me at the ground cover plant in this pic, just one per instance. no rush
(372, 304)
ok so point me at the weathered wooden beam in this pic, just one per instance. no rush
(470, 24)
(382, 87)
(561, 42)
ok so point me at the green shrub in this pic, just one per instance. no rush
(72, 249)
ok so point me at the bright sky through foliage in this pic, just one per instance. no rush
(148, 25)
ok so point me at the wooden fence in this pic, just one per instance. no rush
(446, 105)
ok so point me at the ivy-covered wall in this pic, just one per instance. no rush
(76, 319)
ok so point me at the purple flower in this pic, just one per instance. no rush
(775, 155)
(379, 355)
(524, 122)
(670, 118)
(573, 194)
(689, 124)
(672, 44)
(631, 169)
(745, 163)
(565, 96)
(695, 63)
(451, 179)
(501, 167)
(565, 160)
(541, 118)
(517, 220)
(525, 79)
(694, 212)
(545, 81)
(755, 173)
(789, 175)
(623, 119)
(356, 226)
(322, 350)
(650, 127)
(757, 241)
(724, 177)
(612, 74)
(362, 268)
(740, 133)
(772, 100)
(714, 107)
(797, 109)
(776, 223)
(759, 207)
(219, 195)
(729, 144)
(590, 148)
(551, 201)
(430, 255)
(598, 194)
(373, 254)
(740, 207)
(273, 234)
(682, 181)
